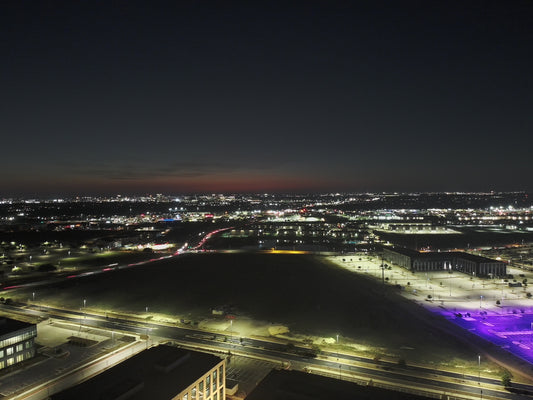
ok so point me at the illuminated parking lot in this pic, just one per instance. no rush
(489, 308)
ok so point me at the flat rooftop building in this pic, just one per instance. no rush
(17, 341)
(159, 373)
(297, 385)
(447, 260)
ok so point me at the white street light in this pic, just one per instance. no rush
(479, 369)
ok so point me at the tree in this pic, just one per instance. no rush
(506, 378)
(46, 267)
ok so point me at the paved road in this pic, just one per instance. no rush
(363, 368)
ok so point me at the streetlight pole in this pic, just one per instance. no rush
(479, 369)
(340, 375)
(382, 271)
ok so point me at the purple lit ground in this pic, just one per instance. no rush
(500, 314)
(510, 330)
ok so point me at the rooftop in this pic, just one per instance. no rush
(296, 385)
(8, 325)
(160, 372)
(460, 254)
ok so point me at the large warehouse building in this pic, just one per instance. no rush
(453, 260)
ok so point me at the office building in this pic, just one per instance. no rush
(160, 373)
(17, 341)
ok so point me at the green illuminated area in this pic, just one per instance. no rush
(294, 297)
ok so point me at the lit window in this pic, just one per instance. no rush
(9, 351)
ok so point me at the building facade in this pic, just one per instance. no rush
(17, 341)
(210, 386)
(437, 261)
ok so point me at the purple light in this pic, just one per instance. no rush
(511, 329)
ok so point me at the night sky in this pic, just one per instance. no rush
(130, 97)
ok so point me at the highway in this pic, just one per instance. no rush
(350, 367)
(347, 366)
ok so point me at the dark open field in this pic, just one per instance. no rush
(305, 293)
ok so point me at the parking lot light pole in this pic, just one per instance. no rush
(479, 369)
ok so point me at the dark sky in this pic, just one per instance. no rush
(258, 96)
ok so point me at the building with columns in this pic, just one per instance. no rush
(470, 264)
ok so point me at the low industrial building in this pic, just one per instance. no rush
(471, 264)
(17, 341)
(160, 373)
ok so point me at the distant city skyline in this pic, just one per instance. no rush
(198, 97)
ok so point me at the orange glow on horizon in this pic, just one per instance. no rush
(204, 184)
